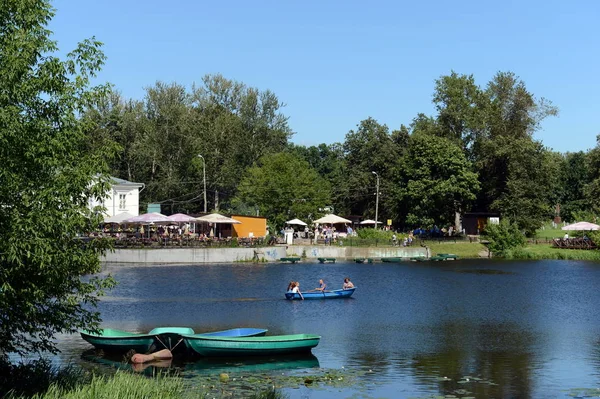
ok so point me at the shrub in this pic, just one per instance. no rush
(503, 237)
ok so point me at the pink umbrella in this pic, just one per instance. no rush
(153, 217)
(581, 226)
(181, 218)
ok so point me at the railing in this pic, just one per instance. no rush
(574, 243)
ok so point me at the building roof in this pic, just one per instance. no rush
(122, 182)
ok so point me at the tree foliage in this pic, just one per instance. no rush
(46, 178)
(503, 236)
(283, 187)
(437, 181)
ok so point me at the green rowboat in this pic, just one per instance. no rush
(251, 346)
(117, 340)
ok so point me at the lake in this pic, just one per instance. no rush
(469, 328)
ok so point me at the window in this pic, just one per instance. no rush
(122, 201)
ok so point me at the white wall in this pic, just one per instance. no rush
(112, 203)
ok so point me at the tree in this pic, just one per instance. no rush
(283, 186)
(46, 182)
(369, 148)
(436, 181)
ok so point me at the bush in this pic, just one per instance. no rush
(28, 379)
(372, 234)
(503, 237)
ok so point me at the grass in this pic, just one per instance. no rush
(464, 249)
(547, 231)
(545, 251)
(40, 380)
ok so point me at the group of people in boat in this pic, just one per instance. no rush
(294, 286)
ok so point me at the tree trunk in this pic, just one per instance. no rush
(216, 200)
(457, 224)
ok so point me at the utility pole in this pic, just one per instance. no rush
(203, 179)
(376, 199)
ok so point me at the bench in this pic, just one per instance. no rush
(326, 260)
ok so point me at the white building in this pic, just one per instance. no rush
(124, 196)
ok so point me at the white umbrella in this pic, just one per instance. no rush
(118, 218)
(581, 226)
(296, 222)
(181, 218)
(369, 221)
(217, 218)
(147, 218)
(332, 219)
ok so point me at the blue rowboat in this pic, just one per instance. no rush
(322, 295)
(251, 346)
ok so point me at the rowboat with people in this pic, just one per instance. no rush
(347, 293)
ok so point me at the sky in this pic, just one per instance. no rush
(334, 63)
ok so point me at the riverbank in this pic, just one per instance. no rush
(310, 253)
(264, 254)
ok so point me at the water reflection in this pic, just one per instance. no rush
(199, 365)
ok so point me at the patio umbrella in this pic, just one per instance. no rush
(147, 218)
(297, 222)
(332, 219)
(181, 218)
(369, 221)
(119, 218)
(217, 218)
(581, 226)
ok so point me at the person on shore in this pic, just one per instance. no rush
(347, 284)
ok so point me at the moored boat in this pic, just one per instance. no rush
(322, 294)
(110, 339)
(251, 346)
(168, 337)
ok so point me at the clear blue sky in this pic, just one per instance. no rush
(335, 63)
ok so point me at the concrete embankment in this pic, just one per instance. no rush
(271, 254)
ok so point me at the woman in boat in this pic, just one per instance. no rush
(296, 289)
(291, 286)
(347, 284)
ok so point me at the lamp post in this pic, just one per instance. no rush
(203, 179)
(376, 199)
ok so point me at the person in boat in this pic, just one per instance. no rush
(296, 289)
(347, 284)
(291, 286)
(321, 286)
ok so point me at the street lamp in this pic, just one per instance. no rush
(376, 199)
(203, 179)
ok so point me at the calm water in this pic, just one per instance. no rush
(531, 329)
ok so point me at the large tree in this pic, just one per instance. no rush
(47, 177)
(283, 186)
(436, 181)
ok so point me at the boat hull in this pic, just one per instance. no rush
(322, 295)
(251, 346)
(119, 341)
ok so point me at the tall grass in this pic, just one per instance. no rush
(28, 379)
(123, 386)
(548, 252)
(40, 380)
